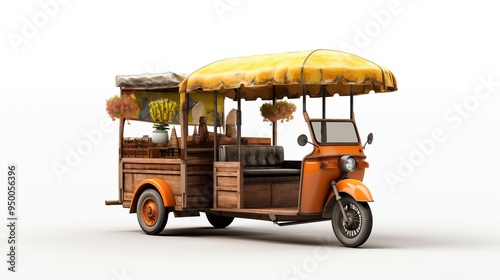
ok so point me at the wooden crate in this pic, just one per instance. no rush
(136, 147)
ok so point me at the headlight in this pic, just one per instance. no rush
(347, 163)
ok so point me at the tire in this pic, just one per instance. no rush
(218, 221)
(359, 226)
(151, 212)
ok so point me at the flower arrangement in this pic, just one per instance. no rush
(281, 110)
(162, 111)
(121, 107)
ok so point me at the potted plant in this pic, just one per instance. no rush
(121, 107)
(161, 111)
(281, 110)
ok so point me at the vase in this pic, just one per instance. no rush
(203, 131)
(159, 136)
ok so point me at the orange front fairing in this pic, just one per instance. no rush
(315, 185)
(320, 169)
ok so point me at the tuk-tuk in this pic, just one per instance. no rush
(226, 175)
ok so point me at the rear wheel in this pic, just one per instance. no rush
(151, 212)
(218, 221)
(356, 230)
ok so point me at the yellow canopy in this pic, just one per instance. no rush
(327, 71)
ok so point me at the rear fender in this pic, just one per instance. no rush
(355, 188)
(153, 183)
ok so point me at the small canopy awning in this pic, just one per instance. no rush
(320, 72)
(166, 80)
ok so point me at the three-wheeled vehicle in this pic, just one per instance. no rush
(226, 175)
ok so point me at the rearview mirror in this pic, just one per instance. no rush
(369, 140)
(302, 140)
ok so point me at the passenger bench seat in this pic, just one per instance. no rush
(258, 160)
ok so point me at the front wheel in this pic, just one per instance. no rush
(151, 213)
(218, 221)
(356, 230)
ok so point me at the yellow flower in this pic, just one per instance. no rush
(162, 110)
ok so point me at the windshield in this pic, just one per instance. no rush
(334, 132)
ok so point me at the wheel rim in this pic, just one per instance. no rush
(352, 227)
(149, 212)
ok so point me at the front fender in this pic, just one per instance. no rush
(155, 183)
(356, 189)
(352, 187)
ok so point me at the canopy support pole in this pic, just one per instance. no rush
(275, 127)
(323, 114)
(323, 98)
(238, 123)
(184, 126)
(304, 99)
(120, 155)
(216, 150)
(351, 90)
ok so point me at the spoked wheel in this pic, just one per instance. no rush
(151, 212)
(218, 221)
(356, 230)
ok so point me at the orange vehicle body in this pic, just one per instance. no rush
(321, 167)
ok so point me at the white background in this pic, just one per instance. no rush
(434, 159)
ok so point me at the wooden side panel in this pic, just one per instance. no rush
(199, 195)
(199, 182)
(257, 195)
(135, 170)
(228, 185)
(285, 194)
(275, 194)
(191, 182)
